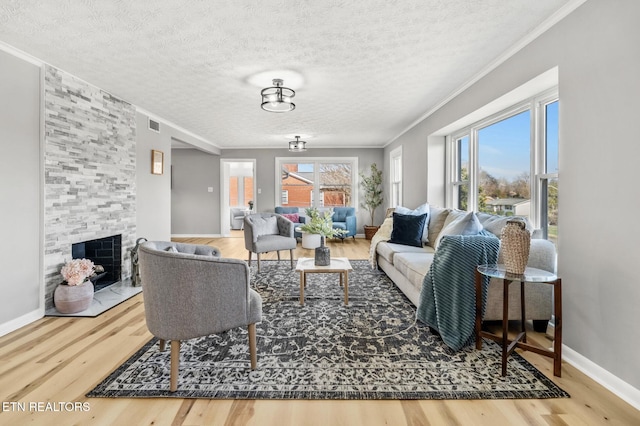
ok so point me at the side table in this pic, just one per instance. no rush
(520, 341)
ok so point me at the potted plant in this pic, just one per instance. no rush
(372, 185)
(322, 225)
(76, 292)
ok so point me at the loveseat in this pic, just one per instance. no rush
(407, 265)
(293, 214)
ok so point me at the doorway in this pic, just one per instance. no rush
(238, 188)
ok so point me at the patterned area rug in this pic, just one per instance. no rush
(371, 349)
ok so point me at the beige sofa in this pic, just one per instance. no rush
(407, 266)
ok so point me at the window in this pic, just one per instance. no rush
(507, 164)
(317, 182)
(395, 177)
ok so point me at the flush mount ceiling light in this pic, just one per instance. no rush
(297, 145)
(277, 98)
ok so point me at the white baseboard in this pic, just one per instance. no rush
(616, 385)
(196, 235)
(19, 322)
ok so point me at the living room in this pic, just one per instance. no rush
(591, 52)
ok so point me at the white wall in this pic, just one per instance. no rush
(20, 193)
(596, 51)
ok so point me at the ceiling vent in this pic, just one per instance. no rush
(154, 125)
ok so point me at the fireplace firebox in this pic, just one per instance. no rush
(106, 252)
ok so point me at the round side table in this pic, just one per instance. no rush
(530, 275)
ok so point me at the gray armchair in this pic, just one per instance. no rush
(237, 217)
(265, 232)
(190, 291)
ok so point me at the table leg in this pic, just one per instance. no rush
(302, 283)
(557, 334)
(478, 309)
(523, 316)
(346, 287)
(505, 324)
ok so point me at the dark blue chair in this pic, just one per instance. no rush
(345, 218)
(292, 210)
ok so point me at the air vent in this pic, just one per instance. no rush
(154, 125)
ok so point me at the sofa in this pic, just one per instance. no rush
(407, 265)
(293, 214)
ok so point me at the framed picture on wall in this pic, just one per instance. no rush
(157, 162)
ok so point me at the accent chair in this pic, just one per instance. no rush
(345, 218)
(190, 291)
(265, 232)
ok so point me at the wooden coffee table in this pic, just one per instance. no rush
(338, 265)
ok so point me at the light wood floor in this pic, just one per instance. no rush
(60, 359)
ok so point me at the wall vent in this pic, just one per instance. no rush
(154, 125)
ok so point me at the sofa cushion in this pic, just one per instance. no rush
(437, 216)
(388, 250)
(459, 223)
(407, 229)
(293, 217)
(420, 210)
(414, 266)
(494, 223)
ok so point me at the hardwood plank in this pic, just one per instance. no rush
(61, 359)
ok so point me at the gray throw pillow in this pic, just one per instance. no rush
(467, 224)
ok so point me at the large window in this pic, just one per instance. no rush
(507, 164)
(316, 182)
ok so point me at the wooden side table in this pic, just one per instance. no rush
(520, 341)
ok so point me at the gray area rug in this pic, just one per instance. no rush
(372, 349)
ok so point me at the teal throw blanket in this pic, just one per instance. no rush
(447, 299)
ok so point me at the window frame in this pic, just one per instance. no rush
(537, 174)
(316, 198)
(395, 186)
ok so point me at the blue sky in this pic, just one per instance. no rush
(504, 147)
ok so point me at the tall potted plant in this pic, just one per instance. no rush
(372, 185)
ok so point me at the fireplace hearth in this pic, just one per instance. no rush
(106, 252)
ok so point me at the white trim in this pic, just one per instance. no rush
(560, 14)
(619, 387)
(175, 126)
(20, 54)
(21, 321)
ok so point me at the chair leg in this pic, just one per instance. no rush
(291, 256)
(162, 345)
(278, 252)
(258, 256)
(175, 364)
(252, 346)
(249, 261)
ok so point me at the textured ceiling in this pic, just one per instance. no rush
(370, 68)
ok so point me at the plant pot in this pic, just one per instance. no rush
(323, 254)
(70, 299)
(370, 231)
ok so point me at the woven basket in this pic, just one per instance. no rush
(515, 241)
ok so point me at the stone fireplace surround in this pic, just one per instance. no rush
(89, 172)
